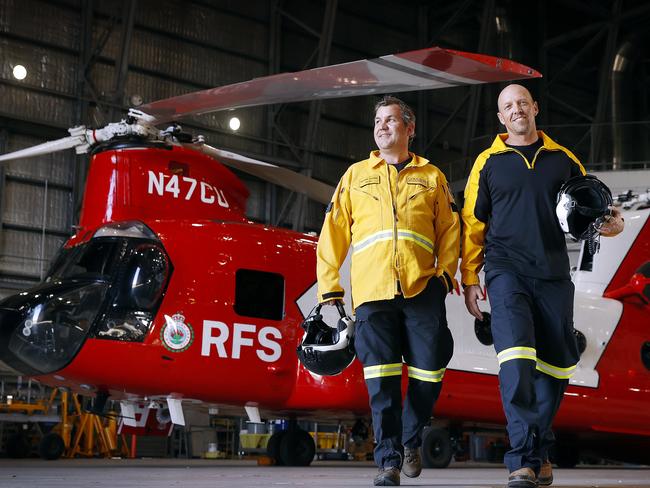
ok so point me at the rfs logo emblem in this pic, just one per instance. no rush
(176, 335)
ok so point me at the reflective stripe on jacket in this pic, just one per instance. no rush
(400, 227)
(509, 212)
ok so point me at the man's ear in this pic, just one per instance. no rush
(410, 130)
(536, 108)
(501, 119)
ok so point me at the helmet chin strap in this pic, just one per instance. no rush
(593, 238)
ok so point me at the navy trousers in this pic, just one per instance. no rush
(388, 333)
(532, 326)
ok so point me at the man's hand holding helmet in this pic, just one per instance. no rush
(613, 224)
(327, 349)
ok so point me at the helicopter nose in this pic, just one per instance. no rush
(42, 330)
(10, 321)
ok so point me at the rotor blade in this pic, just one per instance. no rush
(314, 189)
(45, 148)
(424, 69)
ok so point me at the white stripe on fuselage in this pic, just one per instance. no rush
(595, 316)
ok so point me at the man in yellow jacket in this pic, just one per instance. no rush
(395, 213)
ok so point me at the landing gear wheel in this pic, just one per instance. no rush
(566, 456)
(566, 451)
(18, 446)
(297, 448)
(273, 447)
(436, 448)
(51, 446)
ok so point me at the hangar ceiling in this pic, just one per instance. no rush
(89, 60)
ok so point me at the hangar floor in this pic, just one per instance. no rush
(157, 473)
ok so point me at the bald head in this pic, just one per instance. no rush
(513, 90)
(517, 111)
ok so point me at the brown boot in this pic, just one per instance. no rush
(412, 462)
(387, 477)
(522, 478)
(545, 477)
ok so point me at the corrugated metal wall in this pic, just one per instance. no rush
(175, 47)
(182, 46)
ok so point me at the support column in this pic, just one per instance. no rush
(324, 46)
(487, 23)
(80, 161)
(122, 64)
(604, 85)
(422, 117)
(4, 137)
(274, 54)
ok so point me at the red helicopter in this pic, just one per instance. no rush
(168, 293)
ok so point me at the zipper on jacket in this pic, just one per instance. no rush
(522, 155)
(539, 149)
(529, 165)
(392, 203)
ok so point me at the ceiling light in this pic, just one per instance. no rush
(20, 72)
(234, 123)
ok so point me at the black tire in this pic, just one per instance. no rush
(51, 446)
(436, 448)
(566, 456)
(273, 446)
(18, 446)
(297, 448)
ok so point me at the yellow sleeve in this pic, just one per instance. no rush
(474, 230)
(447, 227)
(334, 242)
(573, 157)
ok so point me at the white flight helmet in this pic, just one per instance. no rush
(327, 350)
(583, 203)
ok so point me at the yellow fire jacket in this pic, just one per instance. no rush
(403, 227)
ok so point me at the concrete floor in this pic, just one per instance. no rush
(159, 473)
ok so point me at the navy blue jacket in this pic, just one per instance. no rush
(509, 211)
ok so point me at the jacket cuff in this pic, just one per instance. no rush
(469, 279)
(447, 281)
(332, 295)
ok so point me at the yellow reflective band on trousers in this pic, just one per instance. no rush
(517, 353)
(556, 372)
(381, 370)
(531, 354)
(426, 375)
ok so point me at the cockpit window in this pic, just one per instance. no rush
(108, 288)
(96, 260)
(137, 271)
(136, 295)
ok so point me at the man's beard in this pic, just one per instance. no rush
(521, 127)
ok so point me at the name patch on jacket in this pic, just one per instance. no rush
(414, 180)
(370, 180)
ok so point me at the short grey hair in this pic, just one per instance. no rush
(408, 116)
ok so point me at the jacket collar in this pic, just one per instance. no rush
(375, 160)
(499, 144)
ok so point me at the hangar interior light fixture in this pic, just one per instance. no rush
(19, 72)
(234, 123)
